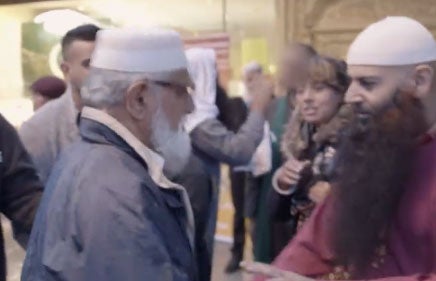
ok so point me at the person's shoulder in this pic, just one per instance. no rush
(105, 157)
(112, 165)
(102, 167)
(46, 121)
(50, 113)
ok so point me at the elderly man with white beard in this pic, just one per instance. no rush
(108, 211)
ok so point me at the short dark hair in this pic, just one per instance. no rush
(86, 32)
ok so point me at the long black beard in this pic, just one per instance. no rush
(374, 165)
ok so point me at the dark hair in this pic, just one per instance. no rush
(86, 32)
(329, 71)
(232, 111)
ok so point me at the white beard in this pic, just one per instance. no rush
(173, 145)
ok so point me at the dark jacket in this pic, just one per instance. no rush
(20, 187)
(103, 216)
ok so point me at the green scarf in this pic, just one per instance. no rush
(262, 245)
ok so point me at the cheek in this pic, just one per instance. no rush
(81, 74)
(329, 105)
(172, 108)
(77, 71)
(74, 73)
(85, 72)
(379, 98)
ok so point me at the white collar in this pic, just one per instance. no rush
(153, 160)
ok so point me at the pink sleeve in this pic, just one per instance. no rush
(308, 254)
(418, 277)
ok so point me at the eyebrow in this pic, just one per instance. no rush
(371, 78)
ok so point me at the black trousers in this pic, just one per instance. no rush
(245, 193)
(237, 180)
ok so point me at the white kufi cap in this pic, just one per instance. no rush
(393, 41)
(251, 67)
(156, 52)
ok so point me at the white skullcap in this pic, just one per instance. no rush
(251, 67)
(393, 41)
(156, 52)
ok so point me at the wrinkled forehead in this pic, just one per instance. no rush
(365, 71)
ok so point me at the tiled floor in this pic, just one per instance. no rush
(15, 257)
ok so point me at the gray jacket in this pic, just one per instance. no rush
(108, 213)
(218, 144)
(49, 131)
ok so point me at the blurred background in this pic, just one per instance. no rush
(239, 30)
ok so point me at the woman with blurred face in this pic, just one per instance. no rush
(310, 140)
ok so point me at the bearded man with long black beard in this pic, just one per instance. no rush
(379, 221)
(374, 164)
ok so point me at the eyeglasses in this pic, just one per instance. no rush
(178, 88)
(164, 84)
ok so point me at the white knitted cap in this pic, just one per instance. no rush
(393, 41)
(155, 51)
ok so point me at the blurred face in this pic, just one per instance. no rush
(76, 63)
(318, 102)
(249, 78)
(293, 68)
(38, 100)
(373, 88)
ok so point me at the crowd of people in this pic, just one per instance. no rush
(116, 175)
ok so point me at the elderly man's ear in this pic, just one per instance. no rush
(138, 99)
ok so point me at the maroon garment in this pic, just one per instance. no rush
(411, 245)
(50, 87)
